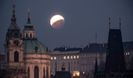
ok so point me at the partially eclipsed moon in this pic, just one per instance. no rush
(57, 21)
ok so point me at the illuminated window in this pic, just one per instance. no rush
(67, 57)
(83, 73)
(54, 58)
(127, 53)
(64, 57)
(71, 57)
(74, 57)
(76, 73)
(51, 58)
(77, 57)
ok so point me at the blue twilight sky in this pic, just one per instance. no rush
(83, 19)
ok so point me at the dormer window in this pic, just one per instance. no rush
(36, 49)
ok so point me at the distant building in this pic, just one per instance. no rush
(128, 52)
(88, 57)
(85, 63)
(70, 60)
(78, 61)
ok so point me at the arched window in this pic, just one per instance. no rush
(47, 72)
(28, 72)
(16, 56)
(36, 72)
(30, 35)
(44, 72)
(26, 35)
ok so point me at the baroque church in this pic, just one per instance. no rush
(27, 57)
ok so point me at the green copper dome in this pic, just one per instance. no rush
(34, 46)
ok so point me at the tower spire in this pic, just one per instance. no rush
(96, 37)
(115, 61)
(13, 24)
(13, 18)
(29, 17)
(119, 22)
(109, 22)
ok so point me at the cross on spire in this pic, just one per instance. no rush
(29, 17)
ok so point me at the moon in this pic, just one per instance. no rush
(57, 21)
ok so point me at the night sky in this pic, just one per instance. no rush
(83, 19)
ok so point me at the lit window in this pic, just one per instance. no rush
(83, 73)
(64, 57)
(54, 58)
(127, 53)
(71, 57)
(76, 73)
(51, 58)
(74, 57)
(67, 57)
(77, 57)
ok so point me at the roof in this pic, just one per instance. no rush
(95, 47)
(34, 46)
(128, 46)
(29, 27)
(101, 47)
(64, 49)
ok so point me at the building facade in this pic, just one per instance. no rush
(81, 62)
(69, 60)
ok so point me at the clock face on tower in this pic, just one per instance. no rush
(16, 42)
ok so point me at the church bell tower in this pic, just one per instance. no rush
(14, 47)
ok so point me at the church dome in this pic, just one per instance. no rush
(34, 46)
